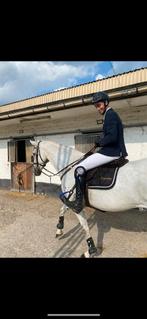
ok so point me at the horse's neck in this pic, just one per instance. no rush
(61, 155)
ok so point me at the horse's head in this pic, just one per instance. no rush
(38, 158)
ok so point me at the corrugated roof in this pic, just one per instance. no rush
(105, 84)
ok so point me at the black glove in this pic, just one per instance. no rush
(88, 154)
(97, 144)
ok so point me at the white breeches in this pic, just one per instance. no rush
(95, 160)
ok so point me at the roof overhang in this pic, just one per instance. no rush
(135, 94)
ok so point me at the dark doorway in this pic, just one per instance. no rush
(21, 151)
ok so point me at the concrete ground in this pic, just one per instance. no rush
(28, 227)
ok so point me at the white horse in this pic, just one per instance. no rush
(129, 191)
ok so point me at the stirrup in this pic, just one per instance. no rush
(62, 194)
(75, 207)
(63, 198)
(72, 205)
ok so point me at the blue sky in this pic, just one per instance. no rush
(24, 79)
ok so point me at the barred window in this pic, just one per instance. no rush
(84, 142)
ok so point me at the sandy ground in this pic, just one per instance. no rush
(28, 227)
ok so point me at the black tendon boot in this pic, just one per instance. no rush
(78, 204)
(60, 224)
(91, 246)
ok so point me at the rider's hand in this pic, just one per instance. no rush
(96, 144)
(88, 153)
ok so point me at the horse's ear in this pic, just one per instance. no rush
(34, 143)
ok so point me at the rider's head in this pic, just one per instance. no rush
(101, 101)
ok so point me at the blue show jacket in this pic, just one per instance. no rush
(112, 143)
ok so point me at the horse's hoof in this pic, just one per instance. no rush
(85, 255)
(59, 233)
(93, 255)
(57, 236)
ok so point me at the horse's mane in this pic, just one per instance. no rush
(79, 154)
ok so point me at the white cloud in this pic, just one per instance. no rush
(125, 66)
(99, 77)
(20, 80)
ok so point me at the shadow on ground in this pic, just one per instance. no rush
(131, 221)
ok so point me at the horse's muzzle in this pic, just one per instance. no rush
(37, 171)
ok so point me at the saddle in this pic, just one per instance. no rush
(104, 176)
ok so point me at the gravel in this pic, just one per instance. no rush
(28, 227)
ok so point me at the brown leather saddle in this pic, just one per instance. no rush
(104, 176)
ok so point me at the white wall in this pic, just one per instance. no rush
(5, 166)
(136, 142)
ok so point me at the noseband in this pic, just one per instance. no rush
(38, 154)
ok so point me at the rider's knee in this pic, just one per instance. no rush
(80, 171)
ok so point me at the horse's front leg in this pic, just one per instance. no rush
(91, 246)
(60, 224)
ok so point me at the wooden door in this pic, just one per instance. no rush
(22, 175)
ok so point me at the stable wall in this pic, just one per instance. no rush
(5, 166)
(136, 142)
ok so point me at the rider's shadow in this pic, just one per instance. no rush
(131, 221)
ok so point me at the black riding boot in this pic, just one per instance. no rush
(78, 204)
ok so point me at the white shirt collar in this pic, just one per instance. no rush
(109, 108)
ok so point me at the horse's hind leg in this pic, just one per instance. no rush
(60, 224)
(91, 246)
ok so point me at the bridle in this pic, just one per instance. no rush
(38, 154)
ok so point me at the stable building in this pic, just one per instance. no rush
(67, 116)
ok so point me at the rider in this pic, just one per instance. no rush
(112, 146)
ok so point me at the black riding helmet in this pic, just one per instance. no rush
(100, 96)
